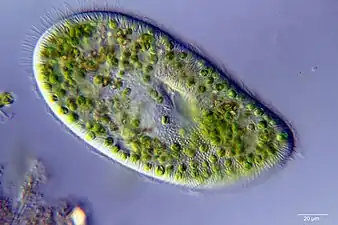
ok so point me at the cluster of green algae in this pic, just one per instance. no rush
(152, 104)
(6, 99)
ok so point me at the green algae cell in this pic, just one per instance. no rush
(152, 103)
(6, 99)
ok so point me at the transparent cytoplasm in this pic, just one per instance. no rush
(145, 99)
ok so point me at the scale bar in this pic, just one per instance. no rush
(313, 214)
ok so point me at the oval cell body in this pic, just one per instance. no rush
(151, 102)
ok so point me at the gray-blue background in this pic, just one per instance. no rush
(266, 44)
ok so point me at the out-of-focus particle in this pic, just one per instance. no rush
(78, 216)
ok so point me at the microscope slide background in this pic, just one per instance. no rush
(285, 51)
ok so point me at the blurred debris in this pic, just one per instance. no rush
(4, 117)
(29, 206)
(6, 213)
(78, 216)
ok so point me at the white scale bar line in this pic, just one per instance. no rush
(318, 214)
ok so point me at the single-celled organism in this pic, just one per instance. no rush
(151, 102)
(6, 99)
